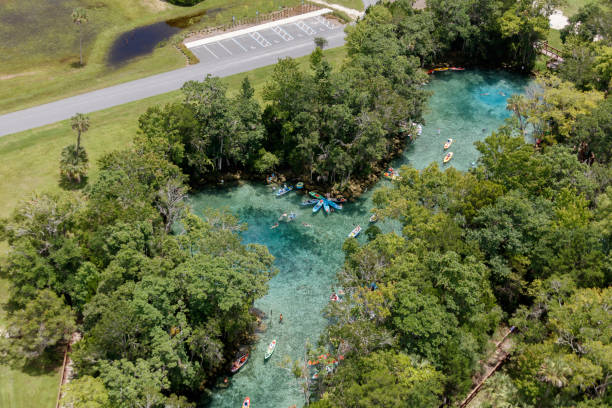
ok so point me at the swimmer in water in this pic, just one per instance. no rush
(306, 225)
(274, 226)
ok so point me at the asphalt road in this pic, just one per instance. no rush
(154, 85)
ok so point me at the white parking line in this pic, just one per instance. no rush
(325, 22)
(282, 33)
(305, 28)
(223, 46)
(208, 49)
(260, 39)
(238, 44)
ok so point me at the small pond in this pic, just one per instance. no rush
(139, 41)
(143, 40)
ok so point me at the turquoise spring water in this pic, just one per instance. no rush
(465, 106)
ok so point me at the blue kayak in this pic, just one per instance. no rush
(310, 202)
(318, 206)
(336, 206)
(284, 190)
(326, 206)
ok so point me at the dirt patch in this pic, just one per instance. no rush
(11, 76)
(155, 5)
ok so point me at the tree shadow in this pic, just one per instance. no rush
(50, 361)
(71, 185)
(76, 64)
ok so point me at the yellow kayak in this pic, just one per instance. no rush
(448, 157)
(448, 144)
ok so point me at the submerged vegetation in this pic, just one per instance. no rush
(164, 299)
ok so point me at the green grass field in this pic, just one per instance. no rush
(354, 4)
(29, 161)
(572, 6)
(40, 66)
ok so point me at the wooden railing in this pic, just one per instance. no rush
(549, 50)
(500, 355)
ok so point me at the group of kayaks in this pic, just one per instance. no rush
(448, 155)
(323, 202)
(242, 361)
(392, 174)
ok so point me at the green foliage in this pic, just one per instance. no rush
(384, 379)
(44, 322)
(86, 392)
(73, 164)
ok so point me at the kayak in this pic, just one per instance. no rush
(448, 156)
(318, 206)
(355, 232)
(310, 202)
(373, 218)
(237, 365)
(334, 297)
(326, 206)
(246, 403)
(316, 195)
(333, 204)
(338, 200)
(284, 190)
(299, 185)
(448, 144)
(270, 350)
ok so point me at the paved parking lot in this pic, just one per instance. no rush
(262, 41)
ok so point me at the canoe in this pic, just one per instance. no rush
(284, 190)
(237, 365)
(373, 218)
(326, 206)
(271, 348)
(448, 144)
(299, 185)
(317, 206)
(333, 204)
(310, 202)
(246, 403)
(355, 232)
(448, 156)
(316, 195)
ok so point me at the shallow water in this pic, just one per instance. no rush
(463, 104)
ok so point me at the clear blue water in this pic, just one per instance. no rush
(462, 105)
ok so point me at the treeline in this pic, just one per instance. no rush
(321, 126)
(334, 128)
(524, 240)
(160, 312)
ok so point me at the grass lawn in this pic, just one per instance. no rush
(572, 6)
(29, 161)
(554, 38)
(39, 44)
(354, 4)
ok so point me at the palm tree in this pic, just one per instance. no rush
(79, 17)
(80, 123)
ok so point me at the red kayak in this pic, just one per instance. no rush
(246, 403)
(237, 365)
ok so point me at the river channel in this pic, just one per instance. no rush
(465, 106)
